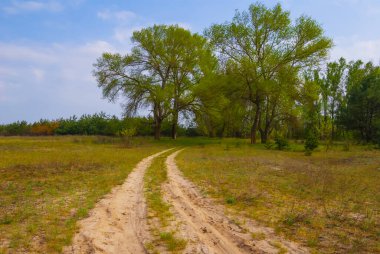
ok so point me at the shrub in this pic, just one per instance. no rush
(127, 135)
(269, 145)
(311, 142)
(281, 142)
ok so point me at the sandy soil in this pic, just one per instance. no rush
(117, 224)
(207, 228)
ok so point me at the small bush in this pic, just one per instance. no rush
(281, 142)
(311, 142)
(173, 243)
(269, 145)
(126, 135)
(230, 200)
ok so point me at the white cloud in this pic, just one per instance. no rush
(57, 84)
(30, 6)
(38, 74)
(117, 15)
(16, 53)
(123, 34)
(126, 22)
(5, 71)
(354, 49)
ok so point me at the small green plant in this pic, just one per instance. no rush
(281, 142)
(311, 142)
(258, 235)
(230, 200)
(173, 243)
(269, 145)
(127, 135)
(278, 245)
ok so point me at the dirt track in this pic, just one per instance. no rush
(118, 223)
(206, 226)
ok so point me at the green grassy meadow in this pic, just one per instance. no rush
(328, 201)
(47, 184)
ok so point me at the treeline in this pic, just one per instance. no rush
(259, 75)
(96, 124)
(347, 100)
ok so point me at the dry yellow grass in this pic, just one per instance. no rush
(47, 184)
(329, 201)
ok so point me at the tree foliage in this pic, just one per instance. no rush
(159, 74)
(265, 51)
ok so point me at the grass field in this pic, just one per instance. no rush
(49, 183)
(329, 201)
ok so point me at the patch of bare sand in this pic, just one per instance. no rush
(117, 224)
(207, 228)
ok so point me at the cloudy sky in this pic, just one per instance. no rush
(47, 48)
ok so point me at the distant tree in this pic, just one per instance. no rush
(263, 43)
(332, 90)
(362, 111)
(310, 100)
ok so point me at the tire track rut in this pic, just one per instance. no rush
(117, 224)
(205, 225)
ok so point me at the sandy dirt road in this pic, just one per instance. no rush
(117, 224)
(208, 229)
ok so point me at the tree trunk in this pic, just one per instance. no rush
(333, 120)
(157, 129)
(264, 136)
(175, 126)
(175, 112)
(255, 125)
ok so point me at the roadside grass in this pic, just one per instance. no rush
(159, 214)
(329, 201)
(47, 184)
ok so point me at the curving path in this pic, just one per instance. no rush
(117, 224)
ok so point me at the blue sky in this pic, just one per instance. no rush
(47, 48)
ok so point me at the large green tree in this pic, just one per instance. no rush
(160, 73)
(191, 61)
(264, 43)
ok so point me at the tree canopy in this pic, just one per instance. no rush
(159, 74)
(267, 51)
